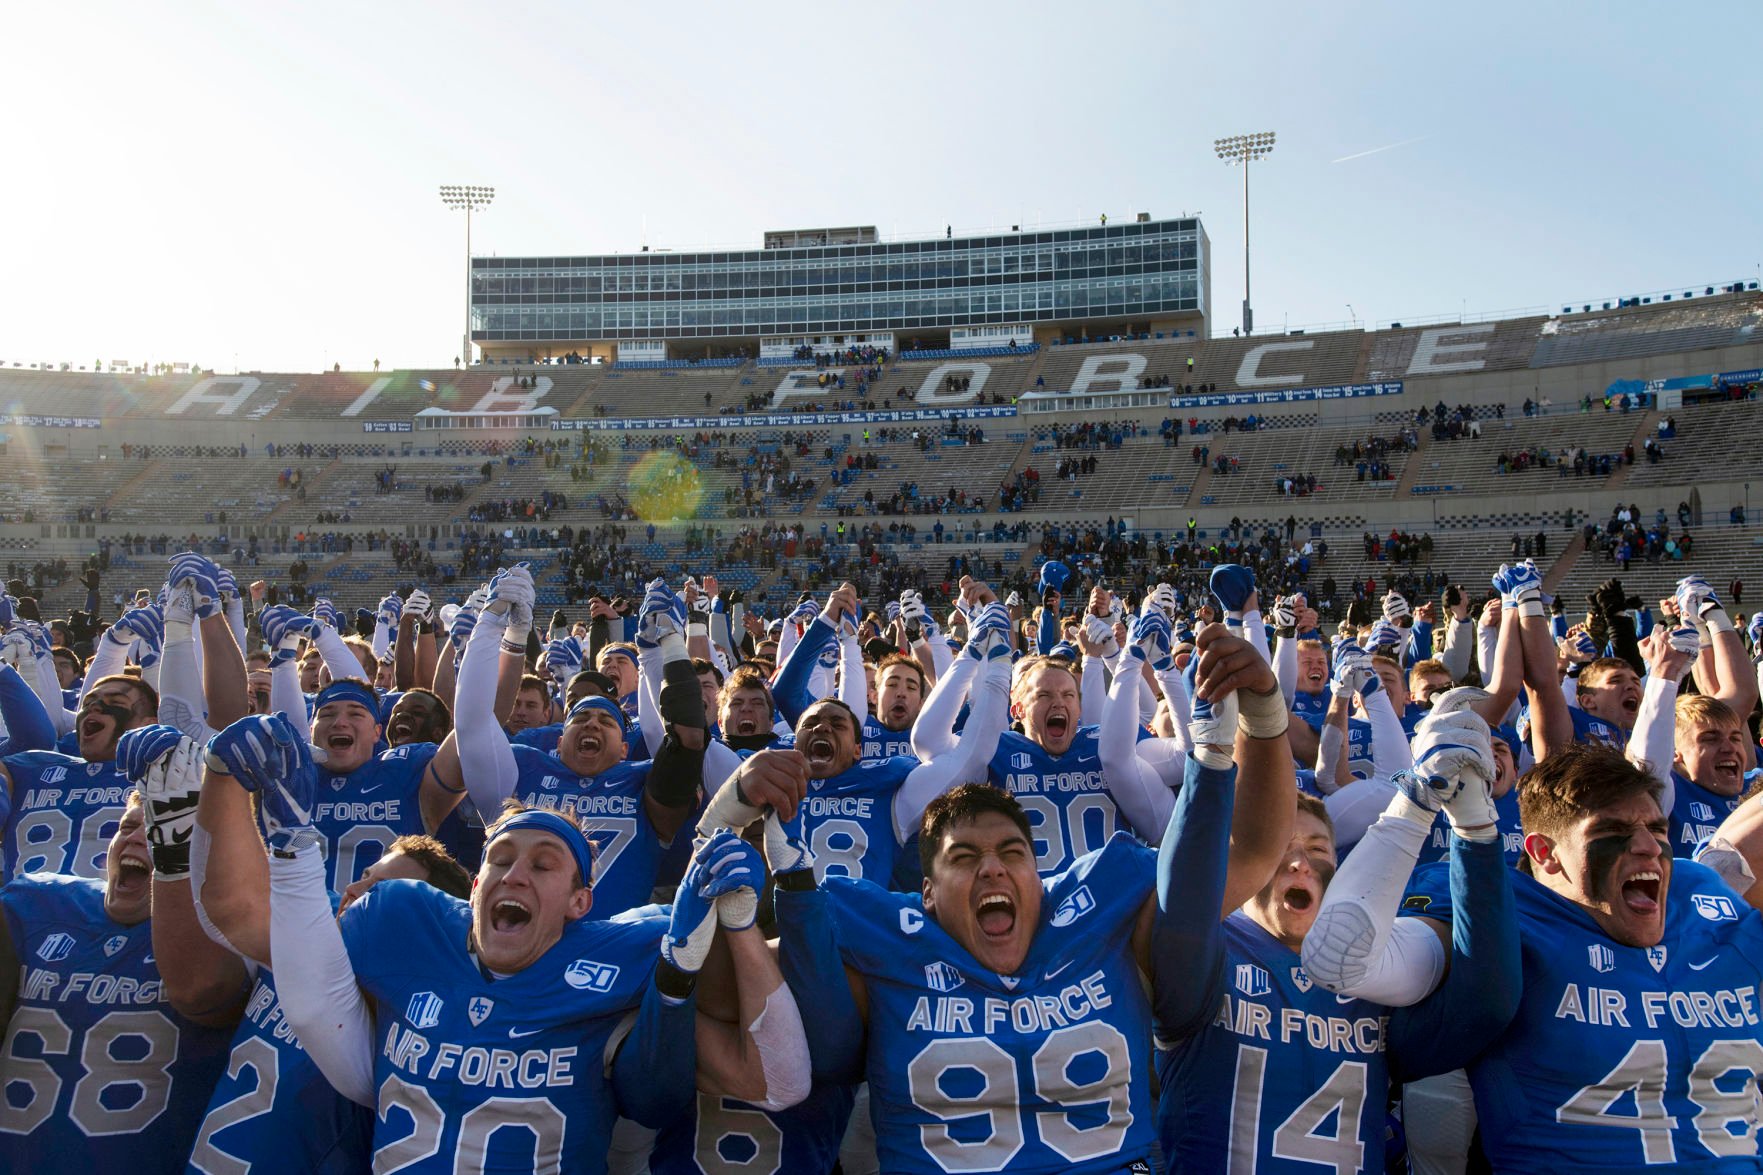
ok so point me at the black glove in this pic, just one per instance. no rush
(90, 579)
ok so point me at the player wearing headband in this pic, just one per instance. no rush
(510, 1032)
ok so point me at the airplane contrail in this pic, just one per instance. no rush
(1376, 150)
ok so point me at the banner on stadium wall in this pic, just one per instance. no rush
(385, 426)
(1287, 395)
(773, 419)
(51, 421)
(1754, 375)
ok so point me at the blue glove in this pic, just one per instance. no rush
(1756, 631)
(1054, 575)
(563, 658)
(1385, 635)
(325, 612)
(390, 609)
(145, 629)
(137, 749)
(662, 614)
(464, 621)
(8, 610)
(1582, 647)
(721, 864)
(1233, 584)
(279, 768)
(41, 643)
(1352, 670)
(282, 629)
(1151, 634)
(229, 583)
(201, 573)
(804, 613)
(892, 610)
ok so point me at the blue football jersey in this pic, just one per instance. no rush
(64, 812)
(727, 1135)
(273, 1111)
(360, 814)
(881, 743)
(99, 1073)
(1696, 813)
(1065, 796)
(627, 849)
(1595, 731)
(1623, 1058)
(1314, 710)
(1438, 842)
(491, 1074)
(848, 820)
(1306, 1071)
(1043, 1071)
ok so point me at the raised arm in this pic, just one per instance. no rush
(1357, 945)
(1266, 791)
(203, 980)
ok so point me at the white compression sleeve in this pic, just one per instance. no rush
(1358, 946)
(853, 683)
(181, 701)
(1459, 639)
(1487, 645)
(650, 670)
(1354, 808)
(337, 657)
(1092, 688)
(1285, 667)
(1329, 745)
(314, 981)
(1390, 752)
(46, 684)
(485, 757)
(967, 762)
(1133, 783)
(783, 1050)
(235, 618)
(933, 731)
(285, 696)
(1176, 690)
(1654, 740)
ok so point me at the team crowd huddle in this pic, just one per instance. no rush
(1080, 879)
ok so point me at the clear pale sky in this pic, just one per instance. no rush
(249, 183)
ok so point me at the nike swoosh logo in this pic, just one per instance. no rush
(516, 1034)
(1058, 969)
(1701, 966)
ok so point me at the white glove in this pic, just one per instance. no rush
(418, 605)
(1454, 756)
(1396, 608)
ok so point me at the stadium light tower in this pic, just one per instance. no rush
(469, 197)
(1245, 149)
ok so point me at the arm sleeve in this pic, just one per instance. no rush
(792, 691)
(1357, 946)
(654, 1074)
(650, 667)
(1285, 667)
(1255, 632)
(853, 686)
(808, 956)
(1355, 807)
(1187, 936)
(1654, 741)
(787, 639)
(107, 661)
(46, 684)
(1459, 639)
(933, 731)
(314, 980)
(1419, 643)
(967, 762)
(1390, 752)
(485, 758)
(337, 657)
(1481, 991)
(180, 684)
(28, 725)
(382, 638)
(1329, 745)
(1176, 690)
(940, 653)
(1487, 643)
(1140, 792)
(285, 696)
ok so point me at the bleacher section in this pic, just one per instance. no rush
(1638, 331)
